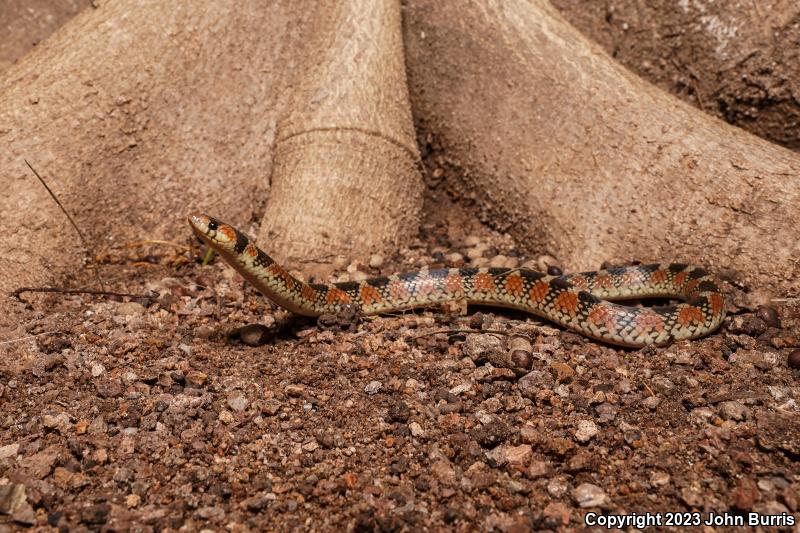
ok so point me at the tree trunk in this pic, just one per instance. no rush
(346, 162)
(572, 154)
(141, 112)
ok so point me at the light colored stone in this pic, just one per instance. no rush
(586, 431)
(238, 402)
(97, 369)
(59, 422)
(9, 450)
(589, 495)
(130, 309)
(226, 417)
(472, 240)
(373, 387)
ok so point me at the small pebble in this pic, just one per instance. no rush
(195, 378)
(557, 487)
(562, 372)
(479, 262)
(769, 315)
(59, 422)
(498, 261)
(416, 429)
(651, 402)
(518, 455)
(733, 410)
(238, 402)
(252, 334)
(659, 478)
(589, 495)
(376, 261)
(130, 308)
(538, 469)
(586, 431)
(340, 262)
(533, 382)
(794, 359)
(10, 450)
(475, 253)
(399, 412)
(455, 258)
(373, 387)
(472, 240)
(358, 276)
(295, 390)
(543, 262)
(97, 369)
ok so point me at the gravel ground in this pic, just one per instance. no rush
(204, 408)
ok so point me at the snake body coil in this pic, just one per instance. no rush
(580, 302)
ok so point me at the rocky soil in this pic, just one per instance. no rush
(201, 407)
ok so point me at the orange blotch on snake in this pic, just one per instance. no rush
(228, 231)
(717, 303)
(251, 250)
(579, 281)
(601, 315)
(689, 314)
(566, 302)
(484, 283)
(398, 290)
(657, 277)
(514, 284)
(539, 291)
(690, 287)
(647, 321)
(308, 292)
(279, 272)
(680, 279)
(336, 296)
(369, 295)
(604, 281)
(453, 284)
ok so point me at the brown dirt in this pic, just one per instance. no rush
(738, 60)
(147, 415)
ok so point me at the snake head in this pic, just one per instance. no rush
(213, 232)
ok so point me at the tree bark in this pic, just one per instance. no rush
(346, 173)
(572, 154)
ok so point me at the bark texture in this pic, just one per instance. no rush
(137, 112)
(571, 153)
(346, 172)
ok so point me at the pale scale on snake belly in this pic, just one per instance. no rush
(580, 302)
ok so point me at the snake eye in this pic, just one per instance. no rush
(212, 225)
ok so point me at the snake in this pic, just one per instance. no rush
(582, 302)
